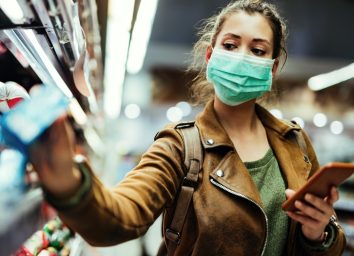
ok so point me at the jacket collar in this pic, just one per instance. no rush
(281, 127)
(211, 130)
(213, 133)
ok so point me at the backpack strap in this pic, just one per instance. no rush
(193, 159)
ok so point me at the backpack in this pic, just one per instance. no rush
(193, 161)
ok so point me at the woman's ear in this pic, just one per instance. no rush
(208, 53)
(275, 67)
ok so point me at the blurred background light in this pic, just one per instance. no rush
(12, 10)
(336, 127)
(320, 120)
(185, 107)
(141, 35)
(174, 114)
(132, 111)
(277, 113)
(118, 37)
(322, 81)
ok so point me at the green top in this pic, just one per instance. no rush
(270, 183)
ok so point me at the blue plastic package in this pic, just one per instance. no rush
(29, 119)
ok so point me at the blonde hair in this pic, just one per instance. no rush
(201, 90)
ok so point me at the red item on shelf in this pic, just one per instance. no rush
(50, 251)
(11, 94)
(38, 241)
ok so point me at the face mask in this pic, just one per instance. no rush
(238, 77)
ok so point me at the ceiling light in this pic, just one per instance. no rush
(328, 79)
(141, 35)
(118, 37)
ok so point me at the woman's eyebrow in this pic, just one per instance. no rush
(235, 36)
(232, 35)
(261, 40)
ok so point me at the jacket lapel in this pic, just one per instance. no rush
(282, 140)
(236, 177)
(230, 171)
(285, 159)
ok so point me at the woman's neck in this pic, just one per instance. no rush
(238, 119)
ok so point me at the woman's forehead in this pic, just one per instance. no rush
(243, 24)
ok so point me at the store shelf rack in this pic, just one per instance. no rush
(51, 41)
(20, 220)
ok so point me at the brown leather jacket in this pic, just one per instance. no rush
(226, 216)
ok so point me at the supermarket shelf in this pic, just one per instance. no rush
(53, 47)
(51, 41)
(19, 221)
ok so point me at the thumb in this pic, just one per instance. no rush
(333, 196)
(289, 192)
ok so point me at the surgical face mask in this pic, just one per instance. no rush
(238, 77)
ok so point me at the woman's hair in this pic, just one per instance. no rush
(201, 89)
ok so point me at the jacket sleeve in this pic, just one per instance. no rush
(339, 242)
(107, 217)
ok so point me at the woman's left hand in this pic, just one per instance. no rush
(313, 213)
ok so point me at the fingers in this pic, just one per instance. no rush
(317, 210)
(311, 229)
(314, 213)
(319, 204)
(304, 220)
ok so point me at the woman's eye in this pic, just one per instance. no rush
(229, 46)
(258, 52)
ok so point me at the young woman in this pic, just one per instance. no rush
(251, 160)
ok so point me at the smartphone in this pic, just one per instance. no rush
(331, 174)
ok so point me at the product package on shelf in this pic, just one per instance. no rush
(23, 120)
(53, 240)
(29, 119)
(11, 94)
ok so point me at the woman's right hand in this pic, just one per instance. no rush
(52, 158)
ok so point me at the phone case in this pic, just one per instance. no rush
(331, 174)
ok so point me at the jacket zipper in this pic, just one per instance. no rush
(216, 183)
